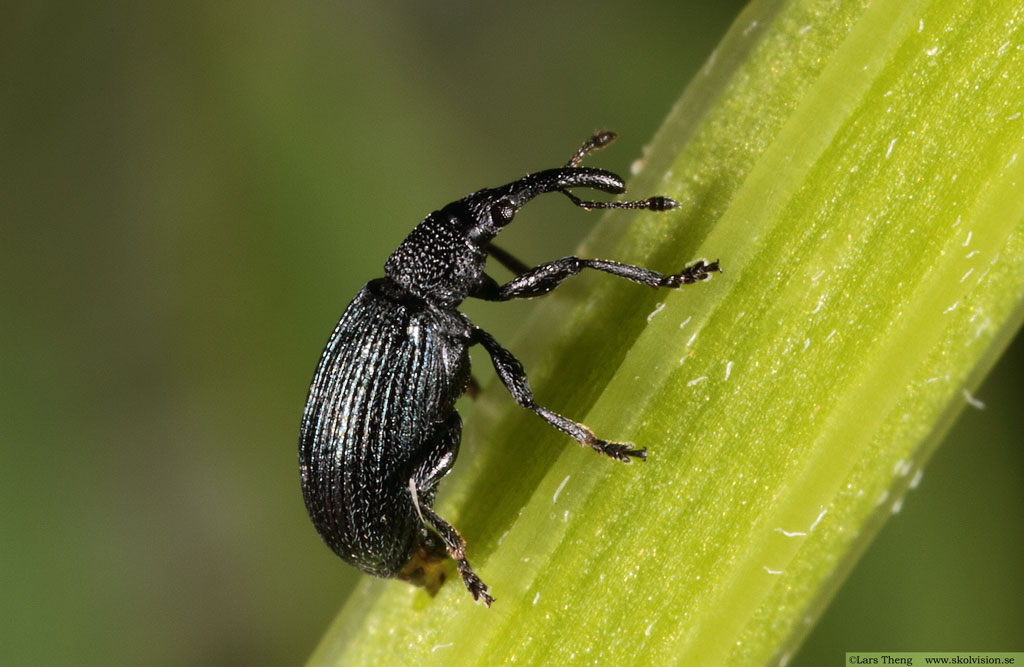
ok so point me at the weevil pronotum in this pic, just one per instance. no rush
(380, 429)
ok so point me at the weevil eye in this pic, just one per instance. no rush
(503, 212)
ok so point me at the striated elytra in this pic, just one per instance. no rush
(380, 429)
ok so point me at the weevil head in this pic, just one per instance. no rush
(492, 209)
(443, 258)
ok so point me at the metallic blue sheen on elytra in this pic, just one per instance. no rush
(380, 429)
(389, 375)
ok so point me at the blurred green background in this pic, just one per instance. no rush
(191, 192)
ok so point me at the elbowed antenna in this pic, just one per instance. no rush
(596, 142)
(489, 210)
(574, 176)
(562, 180)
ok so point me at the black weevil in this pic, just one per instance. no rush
(380, 429)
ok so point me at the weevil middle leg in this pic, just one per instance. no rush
(514, 378)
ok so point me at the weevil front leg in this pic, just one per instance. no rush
(423, 488)
(546, 277)
(507, 259)
(514, 377)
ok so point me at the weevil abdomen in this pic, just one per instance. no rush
(386, 383)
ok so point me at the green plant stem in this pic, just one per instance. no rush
(859, 170)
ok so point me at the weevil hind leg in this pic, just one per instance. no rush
(423, 487)
(456, 547)
(437, 463)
